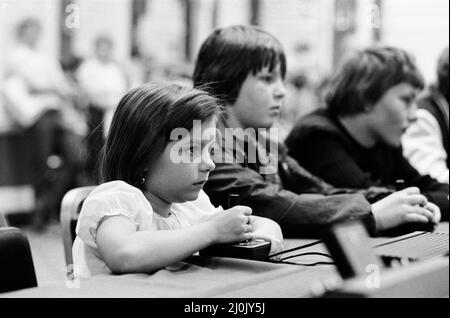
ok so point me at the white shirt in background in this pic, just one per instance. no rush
(34, 83)
(422, 145)
(105, 84)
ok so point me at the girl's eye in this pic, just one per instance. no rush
(267, 78)
(407, 100)
(211, 151)
(192, 150)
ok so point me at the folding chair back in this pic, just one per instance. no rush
(70, 209)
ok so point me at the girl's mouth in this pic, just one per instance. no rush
(200, 183)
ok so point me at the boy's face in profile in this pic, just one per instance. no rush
(393, 113)
(260, 99)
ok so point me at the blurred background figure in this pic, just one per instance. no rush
(39, 100)
(426, 141)
(301, 99)
(105, 82)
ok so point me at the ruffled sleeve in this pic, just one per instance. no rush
(108, 200)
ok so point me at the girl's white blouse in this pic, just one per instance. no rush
(119, 198)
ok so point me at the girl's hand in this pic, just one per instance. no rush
(404, 206)
(231, 225)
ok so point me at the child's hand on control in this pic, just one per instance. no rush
(404, 206)
(433, 208)
(232, 225)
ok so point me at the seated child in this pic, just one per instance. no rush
(150, 210)
(356, 141)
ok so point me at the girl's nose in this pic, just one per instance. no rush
(207, 162)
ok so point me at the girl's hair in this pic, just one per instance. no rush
(442, 73)
(228, 56)
(364, 77)
(142, 124)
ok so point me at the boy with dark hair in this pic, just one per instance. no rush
(356, 141)
(425, 143)
(366, 76)
(245, 67)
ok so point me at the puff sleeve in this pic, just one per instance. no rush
(108, 200)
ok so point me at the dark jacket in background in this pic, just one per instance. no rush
(302, 204)
(323, 146)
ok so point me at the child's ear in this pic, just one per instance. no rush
(368, 107)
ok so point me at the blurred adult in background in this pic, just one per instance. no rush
(105, 82)
(356, 141)
(425, 143)
(39, 100)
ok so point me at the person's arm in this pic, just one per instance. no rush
(299, 215)
(422, 145)
(297, 179)
(126, 250)
(27, 108)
